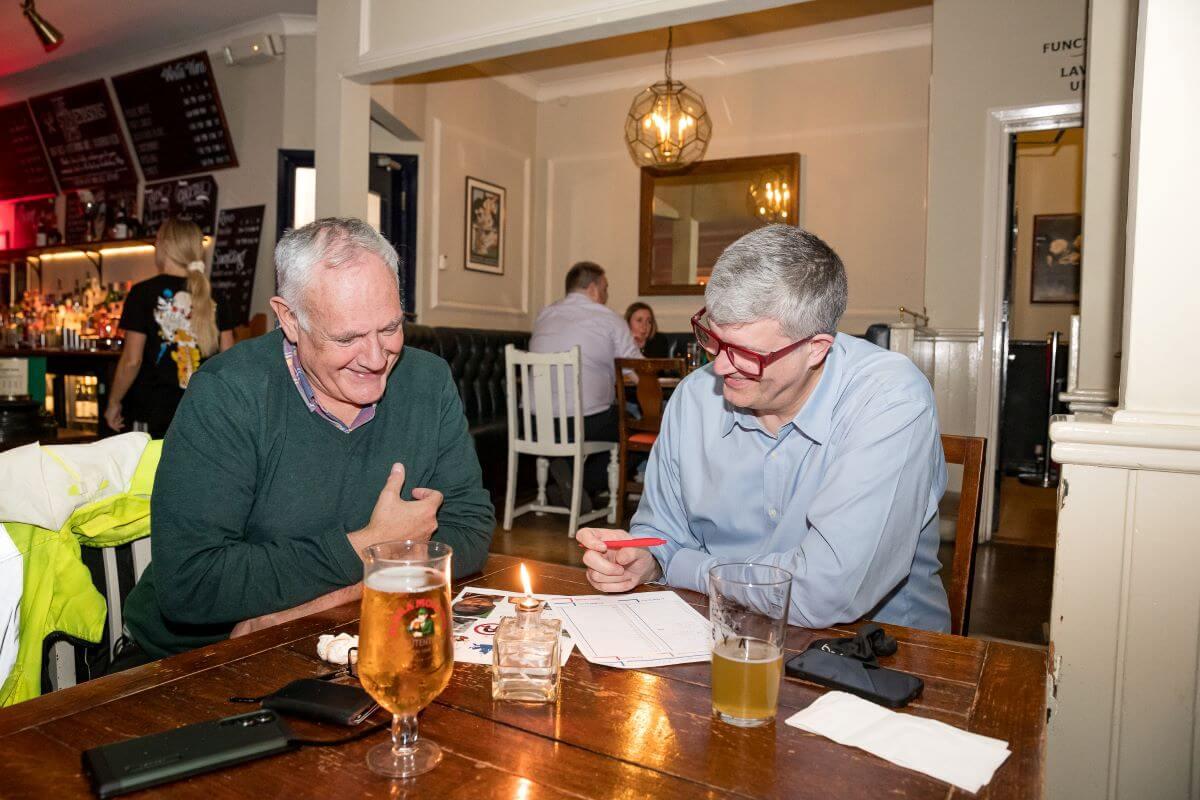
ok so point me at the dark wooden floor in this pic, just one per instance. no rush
(1010, 597)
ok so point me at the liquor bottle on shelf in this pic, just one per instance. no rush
(122, 227)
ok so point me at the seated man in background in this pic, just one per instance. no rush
(798, 447)
(582, 318)
(295, 451)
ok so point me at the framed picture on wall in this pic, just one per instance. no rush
(1057, 258)
(486, 215)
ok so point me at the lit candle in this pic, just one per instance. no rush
(528, 602)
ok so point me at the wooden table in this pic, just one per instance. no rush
(613, 734)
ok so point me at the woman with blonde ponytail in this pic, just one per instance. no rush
(171, 324)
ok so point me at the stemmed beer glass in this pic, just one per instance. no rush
(406, 649)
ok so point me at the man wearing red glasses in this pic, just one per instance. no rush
(798, 447)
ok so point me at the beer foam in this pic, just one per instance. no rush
(748, 651)
(405, 579)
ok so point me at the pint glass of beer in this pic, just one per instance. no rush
(405, 646)
(748, 609)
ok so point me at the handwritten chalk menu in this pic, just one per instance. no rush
(24, 171)
(190, 198)
(239, 231)
(80, 130)
(174, 116)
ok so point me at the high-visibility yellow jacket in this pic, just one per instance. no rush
(99, 497)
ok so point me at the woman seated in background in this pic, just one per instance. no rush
(171, 325)
(644, 328)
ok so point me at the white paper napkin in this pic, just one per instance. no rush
(934, 748)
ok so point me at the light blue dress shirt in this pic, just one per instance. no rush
(845, 496)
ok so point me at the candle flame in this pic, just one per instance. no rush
(525, 581)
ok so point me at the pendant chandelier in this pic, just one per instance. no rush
(769, 198)
(668, 126)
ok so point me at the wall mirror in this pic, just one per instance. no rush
(688, 217)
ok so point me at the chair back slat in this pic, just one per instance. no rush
(537, 385)
(969, 452)
(561, 414)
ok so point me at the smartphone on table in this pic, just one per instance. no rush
(888, 687)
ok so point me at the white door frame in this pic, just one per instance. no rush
(1001, 124)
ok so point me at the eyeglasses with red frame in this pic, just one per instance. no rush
(749, 363)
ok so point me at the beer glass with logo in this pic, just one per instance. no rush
(748, 609)
(406, 650)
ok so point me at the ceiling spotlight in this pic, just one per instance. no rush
(50, 36)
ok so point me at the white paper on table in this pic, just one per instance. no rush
(966, 760)
(475, 634)
(648, 629)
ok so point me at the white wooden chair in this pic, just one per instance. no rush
(542, 379)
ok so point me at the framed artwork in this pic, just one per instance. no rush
(486, 215)
(1057, 258)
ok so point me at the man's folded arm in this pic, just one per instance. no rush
(205, 570)
(466, 519)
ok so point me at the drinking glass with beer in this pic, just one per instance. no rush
(748, 609)
(406, 650)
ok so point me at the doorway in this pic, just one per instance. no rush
(391, 206)
(1040, 294)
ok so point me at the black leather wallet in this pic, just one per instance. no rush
(322, 700)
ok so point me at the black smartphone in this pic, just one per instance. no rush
(888, 687)
(181, 753)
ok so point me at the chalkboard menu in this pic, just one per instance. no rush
(80, 130)
(190, 198)
(174, 116)
(239, 231)
(24, 171)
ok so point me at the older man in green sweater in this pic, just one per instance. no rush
(294, 452)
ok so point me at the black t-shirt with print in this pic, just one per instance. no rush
(160, 308)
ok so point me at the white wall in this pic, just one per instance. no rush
(860, 124)
(858, 121)
(986, 55)
(482, 129)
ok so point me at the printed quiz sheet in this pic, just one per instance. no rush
(651, 629)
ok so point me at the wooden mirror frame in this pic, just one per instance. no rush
(789, 163)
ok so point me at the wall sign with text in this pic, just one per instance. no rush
(82, 136)
(1070, 57)
(239, 231)
(174, 115)
(24, 171)
(189, 198)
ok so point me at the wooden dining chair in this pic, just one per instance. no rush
(967, 451)
(639, 435)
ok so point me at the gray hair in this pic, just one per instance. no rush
(329, 243)
(779, 272)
